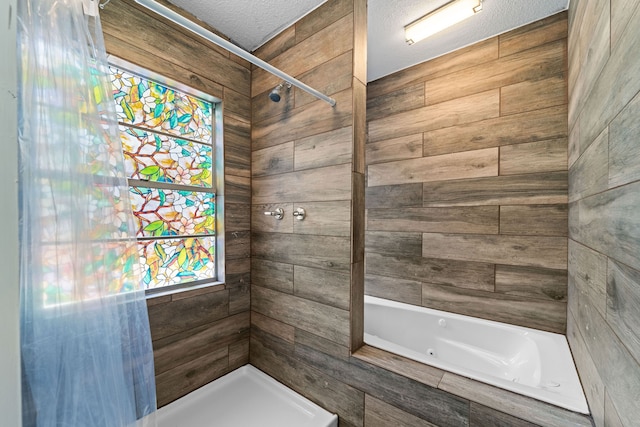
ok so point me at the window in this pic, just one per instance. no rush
(170, 152)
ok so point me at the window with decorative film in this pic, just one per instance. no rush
(168, 137)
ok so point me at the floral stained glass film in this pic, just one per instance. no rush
(166, 212)
(156, 157)
(148, 104)
(176, 261)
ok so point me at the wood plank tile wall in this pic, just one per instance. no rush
(604, 194)
(203, 334)
(306, 297)
(467, 180)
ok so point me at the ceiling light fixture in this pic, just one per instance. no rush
(451, 13)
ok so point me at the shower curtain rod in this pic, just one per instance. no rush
(214, 38)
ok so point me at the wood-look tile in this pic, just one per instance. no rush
(380, 414)
(532, 64)
(260, 222)
(469, 275)
(332, 41)
(615, 364)
(271, 356)
(588, 275)
(307, 250)
(178, 316)
(469, 164)
(237, 147)
(238, 354)
(126, 50)
(534, 157)
(532, 282)
(482, 416)
(322, 17)
(531, 126)
(168, 45)
(323, 345)
(237, 245)
(611, 93)
(592, 385)
(323, 320)
(324, 286)
(277, 45)
(470, 56)
(237, 217)
(394, 243)
(393, 196)
(532, 95)
(420, 372)
(358, 161)
(358, 218)
(464, 110)
(237, 103)
(273, 327)
(594, 49)
(623, 300)
(621, 13)
(325, 149)
(611, 416)
(404, 99)
(407, 291)
(511, 403)
(173, 351)
(237, 189)
(523, 311)
(272, 275)
(272, 160)
(328, 183)
(624, 166)
(329, 78)
(177, 382)
(589, 174)
(541, 188)
(532, 251)
(324, 218)
(608, 223)
(411, 396)
(356, 309)
(405, 147)
(308, 120)
(535, 34)
(534, 220)
(474, 219)
(240, 298)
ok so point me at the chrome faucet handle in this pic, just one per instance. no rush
(278, 213)
(299, 214)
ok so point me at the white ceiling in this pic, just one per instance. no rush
(251, 23)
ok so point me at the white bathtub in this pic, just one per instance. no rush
(526, 361)
(246, 397)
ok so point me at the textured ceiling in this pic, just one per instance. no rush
(250, 23)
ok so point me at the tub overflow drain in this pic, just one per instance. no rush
(442, 323)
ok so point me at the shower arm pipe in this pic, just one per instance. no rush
(216, 39)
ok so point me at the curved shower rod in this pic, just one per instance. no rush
(216, 39)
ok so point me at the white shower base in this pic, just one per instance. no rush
(246, 397)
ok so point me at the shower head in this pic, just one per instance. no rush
(276, 94)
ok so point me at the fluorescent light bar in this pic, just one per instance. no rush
(451, 13)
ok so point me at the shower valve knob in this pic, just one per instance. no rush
(278, 213)
(299, 214)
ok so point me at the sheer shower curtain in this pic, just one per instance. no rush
(86, 347)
